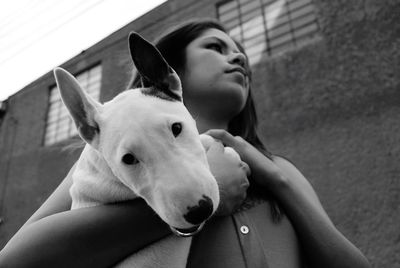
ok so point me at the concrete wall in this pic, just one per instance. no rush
(331, 106)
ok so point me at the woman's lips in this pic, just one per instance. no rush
(239, 70)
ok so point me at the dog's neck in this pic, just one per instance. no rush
(98, 184)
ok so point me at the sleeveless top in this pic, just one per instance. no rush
(249, 238)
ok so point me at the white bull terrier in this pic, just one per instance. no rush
(143, 143)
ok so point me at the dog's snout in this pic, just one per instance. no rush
(199, 213)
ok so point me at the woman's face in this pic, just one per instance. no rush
(214, 74)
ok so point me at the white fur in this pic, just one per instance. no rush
(172, 174)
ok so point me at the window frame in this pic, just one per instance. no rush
(59, 114)
(300, 29)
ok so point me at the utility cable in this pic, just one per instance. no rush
(28, 44)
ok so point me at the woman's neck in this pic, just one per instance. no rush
(208, 118)
(204, 124)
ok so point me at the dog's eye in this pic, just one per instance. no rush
(176, 129)
(129, 159)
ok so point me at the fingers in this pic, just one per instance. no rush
(230, 151)
(246, 168)
(223, 136)
(206, 140)
(216, 147)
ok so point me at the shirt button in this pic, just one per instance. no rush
(244, 229)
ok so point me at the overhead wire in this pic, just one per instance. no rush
(51, 30)
(24, 15)
(42, 18)
(19, 37)
(8, 18)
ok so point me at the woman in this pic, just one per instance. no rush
(216, 86)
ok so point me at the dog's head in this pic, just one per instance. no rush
(148, 139)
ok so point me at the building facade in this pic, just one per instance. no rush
(326, 91)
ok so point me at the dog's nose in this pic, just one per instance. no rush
(199, 213)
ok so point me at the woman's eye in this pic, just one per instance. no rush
(176, 129)
(216, 47)
(129, 159)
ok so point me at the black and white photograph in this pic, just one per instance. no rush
(200, 133)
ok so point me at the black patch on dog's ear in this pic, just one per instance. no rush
(89, 132)
(158, 90)
(152, 91)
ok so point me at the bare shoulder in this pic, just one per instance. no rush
(281, 159)
(286, 165)
(293, 174)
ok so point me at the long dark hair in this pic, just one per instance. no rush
(172, 46)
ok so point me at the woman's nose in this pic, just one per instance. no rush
(238, 58)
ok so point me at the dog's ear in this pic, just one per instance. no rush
(82, 107)
(153, 68)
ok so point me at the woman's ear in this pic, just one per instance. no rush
(153, 68)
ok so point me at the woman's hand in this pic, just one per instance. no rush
(263, 170)
(231, 175)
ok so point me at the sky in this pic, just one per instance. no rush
(38, 35)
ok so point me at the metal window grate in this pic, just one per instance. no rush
(268, 26)
(59, 125)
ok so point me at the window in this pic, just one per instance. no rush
(267, 27)
(59, 124)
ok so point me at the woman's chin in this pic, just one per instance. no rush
(233, 98)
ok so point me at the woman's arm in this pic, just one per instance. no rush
(323, 244)
(101, 236)
(92, 237)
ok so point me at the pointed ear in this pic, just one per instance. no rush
(81, 106)
(153, 68)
